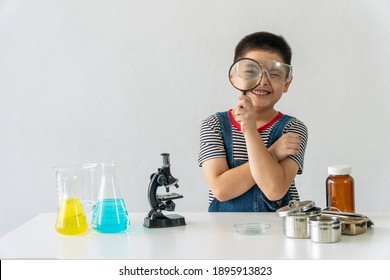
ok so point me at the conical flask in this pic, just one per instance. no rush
(88, 192)
(110, 214)
(71, 217)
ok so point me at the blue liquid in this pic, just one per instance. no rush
(110, 216)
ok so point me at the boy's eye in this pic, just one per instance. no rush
(251, 71)
(275, 73)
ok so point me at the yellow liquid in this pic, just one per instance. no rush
(71, 217)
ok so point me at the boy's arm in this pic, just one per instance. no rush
(273, 177)
(227, 183)
(288, 144)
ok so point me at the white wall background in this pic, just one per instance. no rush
(87, 81)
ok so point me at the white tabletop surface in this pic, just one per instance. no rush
(206, 236)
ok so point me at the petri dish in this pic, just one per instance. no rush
(252, 228)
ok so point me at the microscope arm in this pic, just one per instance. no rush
(152, 191)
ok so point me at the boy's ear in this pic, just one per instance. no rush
(287, 85)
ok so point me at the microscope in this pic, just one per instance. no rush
(160, 202)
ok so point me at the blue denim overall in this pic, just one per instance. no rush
(253, 200)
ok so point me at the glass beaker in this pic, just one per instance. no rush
(110, 214)
(61, 172)
(71, 218)
(86, 190)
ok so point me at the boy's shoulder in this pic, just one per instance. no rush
(212, 122)
(215, 118)
(294, 124)
(211, 118)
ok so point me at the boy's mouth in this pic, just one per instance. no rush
(260, 92)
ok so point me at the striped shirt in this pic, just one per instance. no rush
(211, 143)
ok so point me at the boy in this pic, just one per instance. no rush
(251, 154)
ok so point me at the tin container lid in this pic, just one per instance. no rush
(295, 207)
(348, 215)
(325, 221)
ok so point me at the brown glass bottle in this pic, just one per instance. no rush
(340, 189)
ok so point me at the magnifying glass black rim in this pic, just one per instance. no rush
(230, 69)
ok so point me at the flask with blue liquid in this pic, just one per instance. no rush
(110, 214)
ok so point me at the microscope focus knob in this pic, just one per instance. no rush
(162, 180)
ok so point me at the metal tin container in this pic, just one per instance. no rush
(325, 229)
(296, 216)
(353, 226)
(351, 223)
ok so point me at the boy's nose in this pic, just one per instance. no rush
(264, 78)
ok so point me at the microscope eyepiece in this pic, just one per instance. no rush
(165, 158)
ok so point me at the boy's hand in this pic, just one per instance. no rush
(288, 144)
(244, 113)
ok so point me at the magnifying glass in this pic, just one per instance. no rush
(245, 74)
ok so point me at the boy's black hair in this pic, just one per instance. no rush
(264, 41)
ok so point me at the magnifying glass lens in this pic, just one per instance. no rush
(245, 74)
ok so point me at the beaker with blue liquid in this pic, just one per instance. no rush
(110, 214)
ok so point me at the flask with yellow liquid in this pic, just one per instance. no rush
(71, 219)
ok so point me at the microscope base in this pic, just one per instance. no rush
(162, 221)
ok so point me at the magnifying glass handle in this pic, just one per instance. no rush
(243, 92)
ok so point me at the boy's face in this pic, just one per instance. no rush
(267, 93)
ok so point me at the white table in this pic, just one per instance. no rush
(206, 236)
